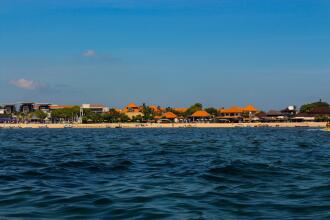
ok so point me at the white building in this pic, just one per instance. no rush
(96, 108)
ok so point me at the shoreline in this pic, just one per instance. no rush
(171, 125)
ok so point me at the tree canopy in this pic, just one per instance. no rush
(212, 111)
(148, 113)
(306, 108)
(66, 113)
(40, 114)
(194, 108)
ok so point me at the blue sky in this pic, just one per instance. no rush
(270, 53)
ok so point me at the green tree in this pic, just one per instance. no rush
(66, 114)
(322, 118)
(194, 108)
(212, 111)
(148, 113)
(40, 114)
(114, 116)
(137, 118)
(306, 108)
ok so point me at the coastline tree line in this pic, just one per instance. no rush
(113, 116)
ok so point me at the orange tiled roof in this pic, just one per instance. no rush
(154, 108)
(234, 109)
(250, 108)
(181, 110)
(201, 114)
(131, 105)
(169, 115)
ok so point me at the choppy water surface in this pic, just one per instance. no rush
(253, 173)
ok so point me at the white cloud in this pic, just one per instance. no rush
(26, 84)
(89, 53)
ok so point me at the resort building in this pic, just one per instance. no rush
(301, 117)
(132, 115)
(316, 114)
(275, 116)
(26, 107)
(170, 116)
(250, 109)
(7, 109)
(321, 111)
(132, 110)
(156, 109)
(45, 107)
(200, 116)
(96, 108)
(237, 113)
(132, 107)
(290, 111)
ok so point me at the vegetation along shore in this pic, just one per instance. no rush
(46, 115)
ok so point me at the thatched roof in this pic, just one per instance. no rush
(201, 114)
(169, 115)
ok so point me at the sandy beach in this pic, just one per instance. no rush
(170, 125)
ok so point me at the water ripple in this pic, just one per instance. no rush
(243, 173)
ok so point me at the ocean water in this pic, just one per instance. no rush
(241, 173)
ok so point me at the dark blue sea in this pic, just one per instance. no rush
(240, 173)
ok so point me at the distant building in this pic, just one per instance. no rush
(26, 107)
(132, 107)
(170, 116)
(290, 111)
(301, 117)
(7, 109)
(45, 107)
(132, 110)
(10, 108)
(320, 111)
(155, 109)
(276, 116)
(237, 113)
(96, 108)
(200, 116)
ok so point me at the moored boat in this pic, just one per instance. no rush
(327, 127)
(68, 126)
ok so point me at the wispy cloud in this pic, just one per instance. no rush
(89, 53)
(93, 56)
(26, 84)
